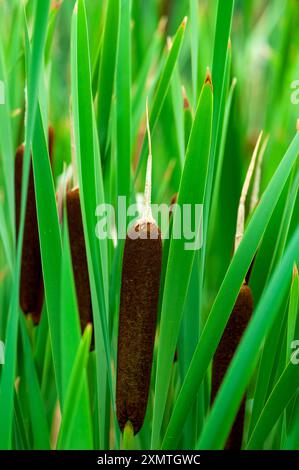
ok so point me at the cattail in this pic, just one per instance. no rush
(138, 313)
(79, 258)
(31, 281)
(229, 342)
(237, 323)
(31, 296)
(188, 118)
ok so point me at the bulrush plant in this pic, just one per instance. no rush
(184, 334)
(141, 270)
(237, 323)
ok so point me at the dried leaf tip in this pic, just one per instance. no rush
(297, 125)
(185, 98)
(258, 176)
(208, 79)
(169, 43)
(148, 179)
(162, 25)
(241, 209)
(56, 4)
(184, 22)
(295, 271)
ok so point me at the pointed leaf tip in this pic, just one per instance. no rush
(184, 22)
(208, 79)
(185, 98)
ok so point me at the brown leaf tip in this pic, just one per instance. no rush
(185, 98)
(208, 79)
(55, 5)
(184, 22)
(295, 271)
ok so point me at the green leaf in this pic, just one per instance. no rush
(49, 236)
(162, 88)
(77, 381)
(267, 360)
(7, 378)
(6, 145)
(194, 39)
(123, 100)
(219, 76)
(41, 433)
(285, 388)
(91, 194)
(107, 71)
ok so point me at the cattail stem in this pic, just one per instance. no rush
(128, 437)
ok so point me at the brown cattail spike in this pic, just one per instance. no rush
(79, 259)
(31, 281)
(137, 322)
(139, 297)
(231, 337)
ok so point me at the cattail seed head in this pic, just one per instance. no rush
(79, 258)
(229, 342)
(31, 294)
(31, 280)
(137, 321)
